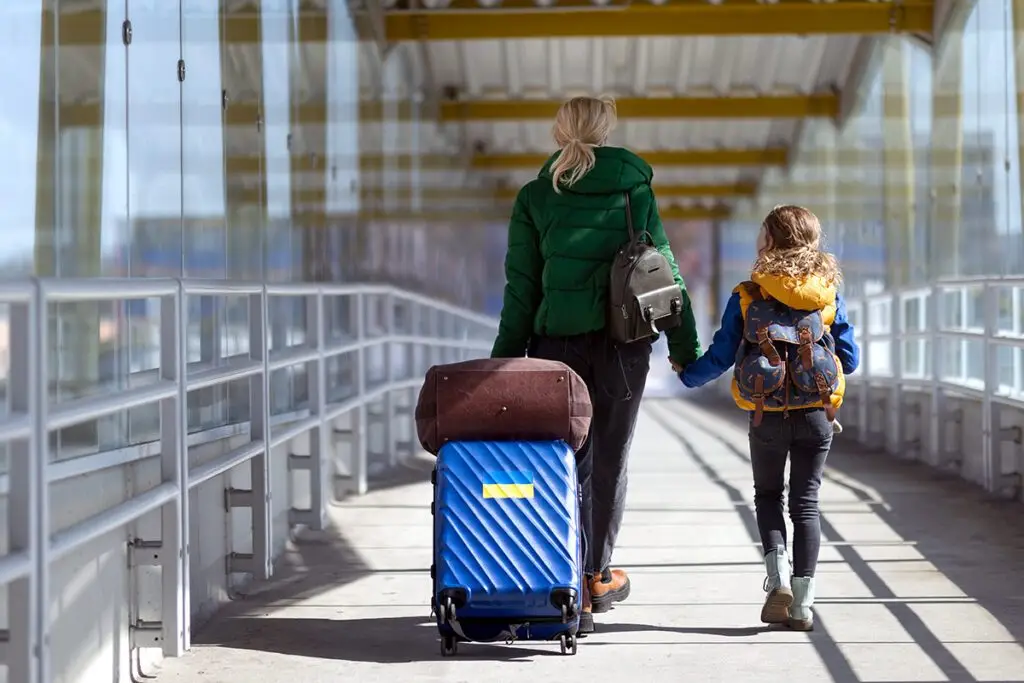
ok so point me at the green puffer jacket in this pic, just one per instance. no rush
(560, 251)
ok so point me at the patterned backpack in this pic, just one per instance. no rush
(787, 358)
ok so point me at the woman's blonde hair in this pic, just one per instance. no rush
(581, 124)
(793, 246)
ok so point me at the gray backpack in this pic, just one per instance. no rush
(643, 297)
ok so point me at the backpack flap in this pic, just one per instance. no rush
(660, 308)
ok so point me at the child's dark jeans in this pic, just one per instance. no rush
(805, 436)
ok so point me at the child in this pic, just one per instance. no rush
(787, 332)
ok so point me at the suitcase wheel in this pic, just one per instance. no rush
(565, 600)
(448, 614)
(568, 644)
(450, 646)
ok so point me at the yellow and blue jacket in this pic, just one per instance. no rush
(806, 294)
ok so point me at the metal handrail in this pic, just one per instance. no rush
(930, 332)
(34, 548)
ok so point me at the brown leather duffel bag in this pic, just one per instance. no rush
(502, 399)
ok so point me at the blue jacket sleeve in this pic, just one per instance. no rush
(846, 346)
(722, 353)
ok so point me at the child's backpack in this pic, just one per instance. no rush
(787, 358)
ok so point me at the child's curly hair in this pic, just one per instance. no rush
(794, 238)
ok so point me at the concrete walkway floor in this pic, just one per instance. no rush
(921, 579)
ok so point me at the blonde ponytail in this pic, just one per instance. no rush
(576, 159)
(581, 124)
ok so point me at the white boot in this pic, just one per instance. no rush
(777, 586)
(800, 616)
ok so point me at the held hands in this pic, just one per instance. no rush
(676, 367)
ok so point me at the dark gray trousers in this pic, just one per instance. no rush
(616, 378)
(805, 436)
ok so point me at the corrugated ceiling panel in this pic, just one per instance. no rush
(642, 66)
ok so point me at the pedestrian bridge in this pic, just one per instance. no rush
(920, 580)
(234, 235)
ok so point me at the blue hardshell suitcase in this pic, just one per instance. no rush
(507, 556)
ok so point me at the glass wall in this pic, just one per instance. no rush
(923, 180)
(921, 183)
(203, 139)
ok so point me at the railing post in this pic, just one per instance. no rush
(27, 503)
(864, 402)
(389, 402)
(937, 418)
(435, 352)
(186, 559)
(259, 416)
(412, 370)
(317, 390)
(989, 414)
(895, 414)
(359, 421)
(172, 555)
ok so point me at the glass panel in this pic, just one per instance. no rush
(82, 224)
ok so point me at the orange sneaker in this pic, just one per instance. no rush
(610, 587)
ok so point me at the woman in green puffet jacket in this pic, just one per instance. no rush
(566, 227)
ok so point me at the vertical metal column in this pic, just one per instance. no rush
(359, 420)
(316, 379)
(259, 416)
(388, 401)
(27, 504)
(947, 140)
(174, 612)
(864, 398)
(412, 369)
(895, 414)
(989, 414)
(937, 417)
(898, 163)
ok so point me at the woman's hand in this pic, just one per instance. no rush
(676, 367)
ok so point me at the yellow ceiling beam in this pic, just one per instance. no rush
(669, 213)
(676, 190)
(251, 194)
(694, 213)
(773, 156)
(726, 107)
(670, 19)
(465, 20)
(89, 27)
(485, 215)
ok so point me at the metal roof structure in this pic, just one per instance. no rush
(711, 92)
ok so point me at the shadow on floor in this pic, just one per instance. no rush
(384, 640)
(975, 541)
(314, 562)
(725, 631)
(413, 470)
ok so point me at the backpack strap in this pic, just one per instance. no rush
(629, 218)
(753, 290)
(635, 236)
(764, 342)
(825, 392)
(758, 397)
(805, 349)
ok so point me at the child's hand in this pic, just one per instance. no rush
(676, 367)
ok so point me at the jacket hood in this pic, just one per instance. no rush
(811, 293)
(616, 170)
